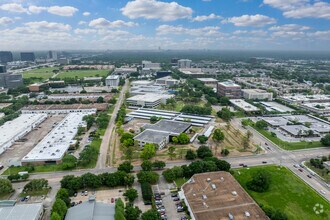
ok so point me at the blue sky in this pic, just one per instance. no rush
(176, 24)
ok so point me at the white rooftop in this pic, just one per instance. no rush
(149, 97)
(113, 77)
(255, 91)
(240, 103)
(307, 98)
(53, 146)
(207, 80)
(228, 83)
(21, 212)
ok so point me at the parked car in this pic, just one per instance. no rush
(176, 199)
(179, 209)
(174, 195)
(1, 166)
(241, 164)
(112, 200)
(264, 162)
(75, 194)
(22, 199)
(73, 204)
(184, 218)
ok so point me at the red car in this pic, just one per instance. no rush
(301, 170)
(112, 200)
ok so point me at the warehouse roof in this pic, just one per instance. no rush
(21, 212)
(151, 136)
(91, 210)
(245, 106)
(172, 127)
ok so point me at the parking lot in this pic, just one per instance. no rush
(167, 206)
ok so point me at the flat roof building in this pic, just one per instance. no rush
(243, 105)
(112, 80)
(55, 144)
(91, 210)
(217, 195)
(21, 211)
(209, 82)
(167, 81)
(257, 94)
(229, 89)
(300, 99)
(146, 89)
(65, 109)
(16, 129)
(148, 100)
(184, 63)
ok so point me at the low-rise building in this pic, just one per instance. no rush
(148, 100)
(243, 105)
(112, 81)
(9, 210)
(92, 79)
(229, 89)
(167, 81)
(257, 94)
(217, 195)
(209, 82)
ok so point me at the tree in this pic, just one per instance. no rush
(5, 187)
(191, 155)
(218, 135)
(69, 162)
(153, 119)
(225, 114)
(126, 166)
(224, 100)
(64, 195)
(183, 138)
(202, 139)
(158, 164)
(100, 99)
(175, 140)
(224, 152)
(260, 182)
(60, 208)
(91, 180)
(204, 151)
(261, 124)
(148, 176)
(131, 194)
(146, 191)
(36, 185)
(223, 165)
(132, 213)
(55, 216)
(90, 119)
(326, 140)
(151, 214)
(171, 152)
(146, 165)
(149, 151)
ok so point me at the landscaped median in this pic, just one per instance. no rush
(287, 193)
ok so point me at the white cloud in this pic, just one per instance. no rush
(250, 20)
(84, 31)
(104, 23)
(86, 13)
(256, 33)
(289, 27)
(301, 8)
(206, 17)
(13, 7)
(324, 35)
(36, 9)
(180, 30)
(48, 25)
(82, 22)
(152, 9)
(6, 21)
(66, 11)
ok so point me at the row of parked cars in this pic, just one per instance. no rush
(178, 205)
(159, 205)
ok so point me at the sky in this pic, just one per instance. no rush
(174, 24)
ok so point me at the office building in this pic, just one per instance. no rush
(257, 94)
(10, 81)
(52, 55)
(243, 105)
(3, 69)
(161, 74)
(28, 56)
(217, 195)
(112, 80)
(5, 57)
(209, 82)
(167, 81)
(149, 100)
(184, 63)
(174, 61)
(150, 65)
(229, 89)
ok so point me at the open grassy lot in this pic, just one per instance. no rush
(81, 73)
(287, 193)
(44, 73)
(289, 145)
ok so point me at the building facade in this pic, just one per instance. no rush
(28, 56)
(112, 80)
(184, 63)
(6, 56)
(229, 89)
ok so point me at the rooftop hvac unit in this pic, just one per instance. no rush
(204, 197)
(247, 214)
(213, 186)
(208, 179)
(234, 193)
(231, 217)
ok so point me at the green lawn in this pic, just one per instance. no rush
(81, 73)
(289, 145)
(179, 182)
(287, 193)
(44, 73)
(42, 192)
(37, 169)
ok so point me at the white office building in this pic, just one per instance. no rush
(112, 81)
(149, 100)
(184, 63)
(150, 65)
(257, 94)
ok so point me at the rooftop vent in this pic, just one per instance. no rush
(204, 197)
(230, 216)
(234, 193)
(208, 179)
(247, 214)
(213, 186)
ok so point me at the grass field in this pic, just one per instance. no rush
(289, 145)
(42, 192)
(287, 193)
(44, 73)
(321, 172)
(81, 73)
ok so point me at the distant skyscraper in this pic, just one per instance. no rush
(6, 56)
(2, 69)
(184, 63)
(27, 56)
(174, 61)
(52, 55)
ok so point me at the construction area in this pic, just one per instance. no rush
(217, 196)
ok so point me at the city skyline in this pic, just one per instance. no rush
(150, 24)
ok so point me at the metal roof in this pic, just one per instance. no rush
(91, 210)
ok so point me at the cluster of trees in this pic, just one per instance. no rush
(247, 122)
(326, 140)
(208, 164)
(88, 155)
(147, 165)
(202, 139)
(17, 177)
(154, 119)
(148, 151)
(11, 111)
(69, 162)
(89, 119)
(182, 138)
(225, 114)
(261, 124)
(317, 163)
(36, 185)
(5, 187)
(197, 110)
(260, 181)
(89, 180)
(121, 115)
(102, 120)
(146, 192)
(148, 176)
(274, 214)
(191, 155)
(61, 205)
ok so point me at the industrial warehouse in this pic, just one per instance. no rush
(54, 146)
